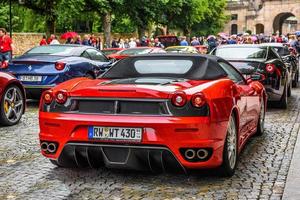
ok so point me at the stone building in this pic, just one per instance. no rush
(263, 16)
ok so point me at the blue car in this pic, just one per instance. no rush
(44, 67)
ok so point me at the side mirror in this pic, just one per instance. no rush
(112, 60)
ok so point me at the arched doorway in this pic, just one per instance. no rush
(259, 28)
(281, 19)
(234, 29)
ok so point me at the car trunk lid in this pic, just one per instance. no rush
(133, 88)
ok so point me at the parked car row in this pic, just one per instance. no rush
(148, 111)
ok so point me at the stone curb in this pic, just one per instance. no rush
(292, 186)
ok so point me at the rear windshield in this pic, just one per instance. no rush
(188, 67)
(241, 53)
(282, 51)
(52, 50)
(163, 66)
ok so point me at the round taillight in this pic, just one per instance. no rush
(198, 100)
(60, 66)
(270, 68)
(179, 99)
(48, 97)
(61, 96)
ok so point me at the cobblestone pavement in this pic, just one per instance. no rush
(261, 173)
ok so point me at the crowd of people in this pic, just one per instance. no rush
(211, 41)
(88, 39)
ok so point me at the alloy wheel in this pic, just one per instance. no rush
(13, 104)
(231, 143)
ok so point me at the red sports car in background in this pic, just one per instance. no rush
(110, 51)
(154, 112)
(12, 99)
(135, 51)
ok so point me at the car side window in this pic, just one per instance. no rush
(96, 55)
(232, 73)
(85, 55)
(272, 54)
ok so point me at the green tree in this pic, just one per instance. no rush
(44, 8)
(142, 13)
(214, 19)
(192, 12)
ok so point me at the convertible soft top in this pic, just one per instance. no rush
(204, 67)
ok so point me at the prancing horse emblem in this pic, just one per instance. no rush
(29, 67)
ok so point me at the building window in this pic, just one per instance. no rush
(234, 29)
(234, 17)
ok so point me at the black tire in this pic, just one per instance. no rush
(296, 80)
(289, 91)
(261, 120)
(283, 101)
(227, 169)
(4, 120)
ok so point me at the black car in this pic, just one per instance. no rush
(254, 60)
(290, 60)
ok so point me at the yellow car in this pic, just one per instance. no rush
(181, 49)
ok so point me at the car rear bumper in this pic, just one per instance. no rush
(164, 137)
(38, 86)
(35, 91)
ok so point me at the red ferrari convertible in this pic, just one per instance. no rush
(154, 112)
(12, 100)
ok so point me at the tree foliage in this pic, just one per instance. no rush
(189, 16)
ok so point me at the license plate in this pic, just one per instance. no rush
(115, 133)
(30, 78)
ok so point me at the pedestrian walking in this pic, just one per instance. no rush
(6, 47)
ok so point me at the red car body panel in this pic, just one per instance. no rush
(119, 56)
(173, 132)
(111, 50)
(7, 79)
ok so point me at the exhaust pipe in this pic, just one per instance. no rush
(51, 147)
(202, 154)
(190, 154)
(44, 146)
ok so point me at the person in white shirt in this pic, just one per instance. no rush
(132, 43)
(54, 41)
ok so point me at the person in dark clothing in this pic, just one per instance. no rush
(212, 43)
(114, 43)
(157, 43)
(69, 40)
(86, 40)
(195, 42)
(296, 44)
(144, 42)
